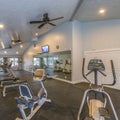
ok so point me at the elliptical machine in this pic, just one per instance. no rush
(97, 105)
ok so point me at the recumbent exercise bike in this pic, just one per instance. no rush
(28, 101)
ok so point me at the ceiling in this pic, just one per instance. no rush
(88, 11)
(16, 14)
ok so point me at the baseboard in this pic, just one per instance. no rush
(28, 71)
(67, 81)
(63, 80)
(78, 81)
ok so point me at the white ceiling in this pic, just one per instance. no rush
(88, 11)
(16, 14)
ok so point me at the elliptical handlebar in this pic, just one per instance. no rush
(89, 72)
(102, 73)
(113, 73)
(83, 72)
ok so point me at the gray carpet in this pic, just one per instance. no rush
(66, 99)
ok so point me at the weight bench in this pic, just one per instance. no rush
(3, 80)
(11, 84)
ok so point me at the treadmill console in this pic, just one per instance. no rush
(96, 64)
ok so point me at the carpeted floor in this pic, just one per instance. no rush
(66, 99)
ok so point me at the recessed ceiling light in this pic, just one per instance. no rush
(17, 52)
(1, 26)
(21, 46)
(102, 11)
(5, 52)
(36, 34)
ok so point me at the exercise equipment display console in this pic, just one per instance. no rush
(95, 97)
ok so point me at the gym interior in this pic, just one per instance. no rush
(60, 61)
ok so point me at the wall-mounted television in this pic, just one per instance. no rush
(45, 49)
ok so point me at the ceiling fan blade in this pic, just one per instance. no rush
(57, 18)
(52, 24)
(16, 41)
(8, 47)
(18, 36)
(41, 25)
(33, 22)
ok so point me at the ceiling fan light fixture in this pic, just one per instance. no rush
(13, 42)
(19, 42)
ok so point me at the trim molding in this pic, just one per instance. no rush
(67, 81)
(104, 50)
(76, 9)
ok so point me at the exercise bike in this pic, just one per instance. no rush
(95, 97)
(28, 101)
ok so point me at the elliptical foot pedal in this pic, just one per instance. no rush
(89, 118)
(104, 112)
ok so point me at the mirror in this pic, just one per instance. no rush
(58, 64)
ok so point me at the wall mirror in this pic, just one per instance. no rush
(58, 63)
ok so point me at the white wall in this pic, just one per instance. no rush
(68, 36)
(101, 40)
(77, 52)
(105, 56)
(101, 35)
(61, 35)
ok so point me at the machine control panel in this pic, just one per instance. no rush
(96, 64)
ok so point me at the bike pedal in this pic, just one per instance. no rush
(104, 112)
(89, 118)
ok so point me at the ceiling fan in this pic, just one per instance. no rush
(16, 40)
(8, 47)
(45, 20)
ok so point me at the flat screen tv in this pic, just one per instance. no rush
(45, 49)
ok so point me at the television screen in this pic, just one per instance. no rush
(45, 49)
